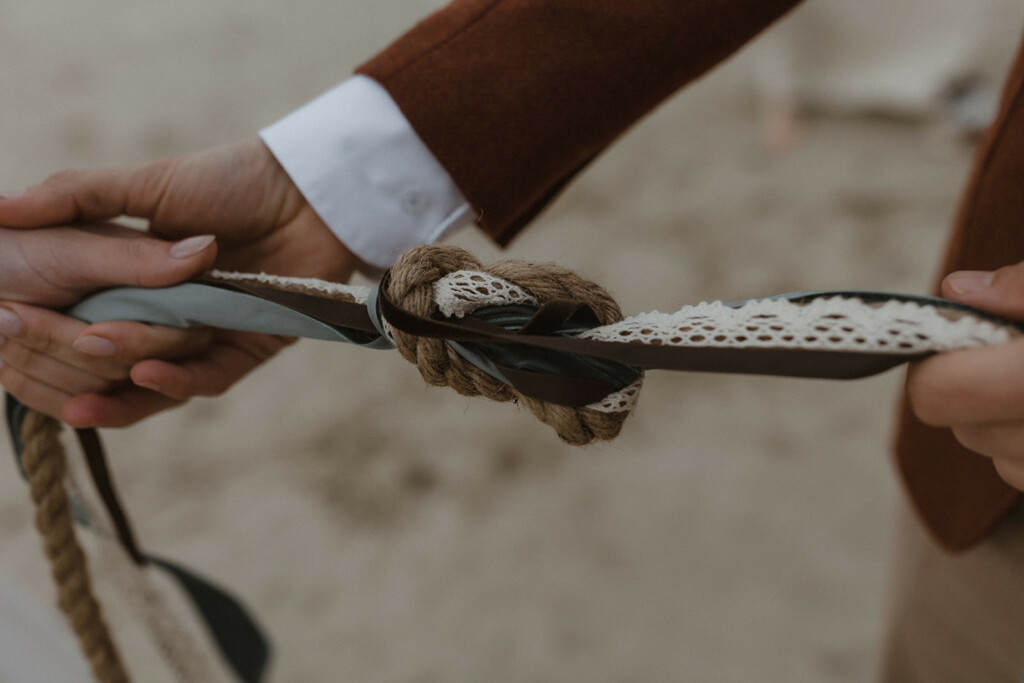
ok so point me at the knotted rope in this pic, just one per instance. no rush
(411, 287)
(45, 466)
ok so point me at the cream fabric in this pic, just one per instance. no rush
(957, 618)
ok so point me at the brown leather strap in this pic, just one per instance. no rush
(787, 362)
(539, 333)
(95, 458)
(345, 314)
(555, 313)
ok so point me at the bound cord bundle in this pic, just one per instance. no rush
(411, 287)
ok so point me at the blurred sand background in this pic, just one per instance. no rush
(739, 529)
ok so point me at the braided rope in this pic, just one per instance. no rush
(411, 288)
(45, 466)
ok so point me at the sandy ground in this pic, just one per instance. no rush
(739, 529)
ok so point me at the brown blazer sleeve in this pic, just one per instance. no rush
(514, 97)
(958, 494)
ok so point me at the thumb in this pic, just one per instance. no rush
(76, 262)
(101, 261)
(1000, 292)
(87, 196)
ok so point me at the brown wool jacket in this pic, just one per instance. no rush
(515, 97)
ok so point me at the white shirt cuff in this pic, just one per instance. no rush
(360, 165)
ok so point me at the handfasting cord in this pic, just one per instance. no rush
(411, 287)
(536, 334)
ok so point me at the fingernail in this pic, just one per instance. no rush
(10, 195)
(969, 281)
(152, 386)
(10, 323)
(95, 346)
(192, 245)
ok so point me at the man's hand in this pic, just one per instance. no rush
(979, 393)
(237, 192)
(240, 194)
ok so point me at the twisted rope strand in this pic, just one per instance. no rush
(411, 287)
(45, 465)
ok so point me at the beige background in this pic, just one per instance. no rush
(740, 527)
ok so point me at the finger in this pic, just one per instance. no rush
(85, 196)
(229, 358)
(52, 372)
(32, 393)
(1000, 292)
(970, 387)
(37, 333)
(120, 409)
(86, 261)
(1012, 472)
(131, 342)
(55, 267)
(997, 441)
(1004, 443)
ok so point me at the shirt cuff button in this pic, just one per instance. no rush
(415, 203)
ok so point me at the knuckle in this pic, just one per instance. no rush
(170, 343)
(14, 354)
(134, 254)
(24, 358)
(927, 397)
(14, 382)
(210, 384)
(62, 179)
(1009, 277)
(66, 186)
(100, 386)
(30, 363)
(136, 343)
(111, 372)
(214, 389)
(40, 341)
(39, 330)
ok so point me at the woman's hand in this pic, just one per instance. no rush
(58, 266)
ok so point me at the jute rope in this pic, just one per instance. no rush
(45, 466)
(411, 288)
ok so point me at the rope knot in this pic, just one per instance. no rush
(447, 280)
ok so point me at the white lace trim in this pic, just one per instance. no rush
(464, 291)
(358, 292)
(621, 401)
(833, 324)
